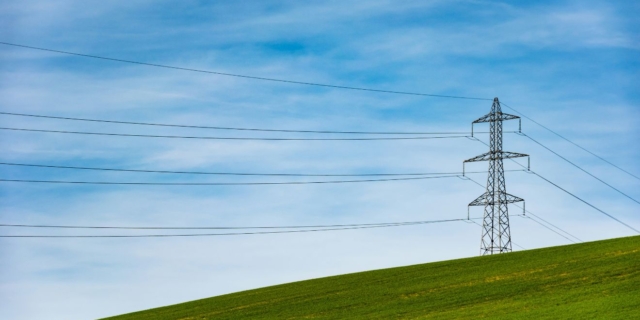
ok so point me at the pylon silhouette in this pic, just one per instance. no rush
(496, 234)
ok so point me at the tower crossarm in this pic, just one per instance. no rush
(497, 116)
(485, 199)
(483, 157)
(496, 155)
(508, 155)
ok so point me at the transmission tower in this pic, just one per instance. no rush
(496, 236)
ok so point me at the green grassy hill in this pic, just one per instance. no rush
(596, 280)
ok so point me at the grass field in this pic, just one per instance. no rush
(595, 280)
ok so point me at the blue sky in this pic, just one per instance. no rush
(570, 65)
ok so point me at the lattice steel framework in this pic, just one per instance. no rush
(496, 234)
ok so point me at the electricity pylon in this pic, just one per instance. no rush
(496, 235)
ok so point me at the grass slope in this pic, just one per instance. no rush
(596, 280)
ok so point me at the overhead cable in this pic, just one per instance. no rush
(242, 76)
(238, 173)
(571, 194)
(221, 234)
(581, 169)
(228, 138)
(313, 84)
(573, 143)
(556, 232)
(207, 228)
(531, 213)
(575, 165)
(550, 224)
(229, 128)
(221, 183)
(587, 203)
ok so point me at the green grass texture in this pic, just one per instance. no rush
(594, 280)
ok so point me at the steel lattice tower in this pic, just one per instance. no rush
(496, 235)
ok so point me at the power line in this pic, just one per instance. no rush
(220, 234)
(227, 138)
(573, 143)
(242, 76)
(573, 195)
(587, 203)
(529, 212)
(207, 228)
(314, 84)
(226, 128)
(581, 169)
(526, 217)
(551, 224)
(295, 82)
(220, 183)
(236, 173)
(302, 83)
